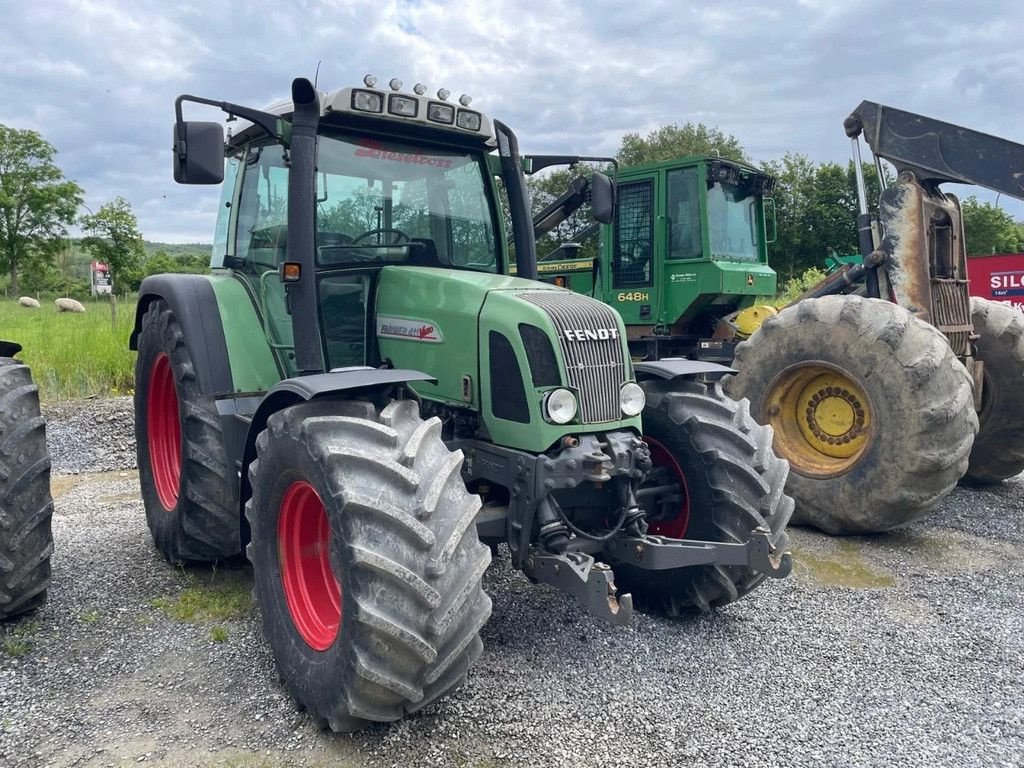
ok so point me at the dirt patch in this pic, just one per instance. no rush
(845, 566)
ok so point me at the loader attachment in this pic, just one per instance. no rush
(938, 151)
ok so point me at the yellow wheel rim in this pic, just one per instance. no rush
(822, 418)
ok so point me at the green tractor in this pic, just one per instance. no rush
(26, 508)
(874, 381)
(685, 263)
(362, 401)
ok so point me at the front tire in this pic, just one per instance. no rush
(869, 404)
(367, 563)
(998, 451)
(26, 508)
(189, 490)
(730, 483)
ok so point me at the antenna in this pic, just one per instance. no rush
(316, 75)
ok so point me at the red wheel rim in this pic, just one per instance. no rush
(304, 546)
(164, 430)
(673, 527)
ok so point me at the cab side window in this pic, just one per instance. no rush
(261, 232)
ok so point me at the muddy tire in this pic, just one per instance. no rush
(730, 483)
(26, 508)
(869, 405)
(367, 563)
(998, 451)
(189, 490)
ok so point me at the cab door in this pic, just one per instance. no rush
(633, 269)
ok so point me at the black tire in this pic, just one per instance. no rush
(26, 508)
(190, 491)
(735, 484)
(402, 548)
(920, 421)
(998, 451)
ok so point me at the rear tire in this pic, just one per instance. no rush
(908, 403)
(998, 451)
(26, 508)
(189, 490)
(733, 484)
(371, 595)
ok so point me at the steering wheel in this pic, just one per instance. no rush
(400, 235)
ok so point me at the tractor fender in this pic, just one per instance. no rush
(194, 303)
(9, 348)
(679, 367)
(347, 382)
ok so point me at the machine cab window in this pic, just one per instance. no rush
(388, 202)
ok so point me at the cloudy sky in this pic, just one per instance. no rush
(98, 78)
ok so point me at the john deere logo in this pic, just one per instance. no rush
(591, 334)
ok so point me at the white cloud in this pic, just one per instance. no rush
(98, 79)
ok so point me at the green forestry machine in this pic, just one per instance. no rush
(359, 398)
(875, 380)
(685, 263)
(26, 508)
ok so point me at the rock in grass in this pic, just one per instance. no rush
(69, 305)
(29, 302)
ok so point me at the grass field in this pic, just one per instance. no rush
(71, 355)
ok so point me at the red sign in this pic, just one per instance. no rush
(999, 278)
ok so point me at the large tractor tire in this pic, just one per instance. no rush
(869, 404)
(367, 563)
(998, 451)
(729, 484)
(188, 488)
(26, 508)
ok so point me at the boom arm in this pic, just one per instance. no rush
(937, 151)
(562, 207)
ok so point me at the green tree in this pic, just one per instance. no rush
(670, 142)
(112, 236)
(36, 202)
(816, 211)
(794, 197)
(989, 229)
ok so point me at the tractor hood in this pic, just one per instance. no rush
(499, 344)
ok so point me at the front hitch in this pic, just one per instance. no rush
(658, 553)
(590, 582)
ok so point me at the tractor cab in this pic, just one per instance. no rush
(401, 180)
(687, 248)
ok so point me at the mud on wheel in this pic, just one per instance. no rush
(998, 451)
(188, 488)
(367, 563)
(26, 508)
(724, 482)
(869, 404)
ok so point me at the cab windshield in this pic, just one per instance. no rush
(732, 222)
(391, 202)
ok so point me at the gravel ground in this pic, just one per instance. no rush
(900, 649)
(91, 435)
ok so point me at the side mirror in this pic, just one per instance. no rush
(602, 198)
(198, 152)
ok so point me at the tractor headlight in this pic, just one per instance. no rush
(441, 113)
(403, 106)
(632, 398)
(468, 120)
(367, 101)
(560, 406)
